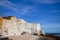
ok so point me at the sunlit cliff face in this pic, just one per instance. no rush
(12, 26)
(0, 22)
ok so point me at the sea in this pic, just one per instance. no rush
(56, 34)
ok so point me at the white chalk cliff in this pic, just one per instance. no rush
(13, 26)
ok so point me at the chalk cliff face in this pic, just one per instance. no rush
(12, 26)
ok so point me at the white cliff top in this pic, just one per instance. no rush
(21, 20)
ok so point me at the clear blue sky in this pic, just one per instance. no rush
(45, 12)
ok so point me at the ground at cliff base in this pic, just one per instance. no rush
(32, 37)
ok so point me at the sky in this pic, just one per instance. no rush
(45, 12)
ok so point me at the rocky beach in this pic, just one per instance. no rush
(33, 37)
